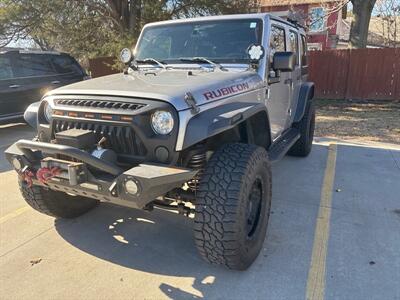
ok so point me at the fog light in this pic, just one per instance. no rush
(17, 163)
(131, 187)
(162, 154)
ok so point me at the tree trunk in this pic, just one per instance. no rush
(362, 10)
(135, 17)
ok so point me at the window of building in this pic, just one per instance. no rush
(277, 41)
(317, 19)
(294, 45)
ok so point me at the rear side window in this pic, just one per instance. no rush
(294, 45)
(303, 49)
(28, 65)
(65, 64)
(5, 68)
(277, 41)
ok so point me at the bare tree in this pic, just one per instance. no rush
(388, 15)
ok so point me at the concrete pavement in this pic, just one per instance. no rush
(118, 253)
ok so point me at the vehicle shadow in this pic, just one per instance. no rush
(161, 242)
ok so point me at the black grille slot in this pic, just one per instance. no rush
(122, 139)
(100, 104)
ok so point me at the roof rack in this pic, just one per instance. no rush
(291, 16)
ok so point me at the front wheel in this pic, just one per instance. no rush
(54, 203)
(233, 205)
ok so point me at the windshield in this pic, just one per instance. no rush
(222, 41)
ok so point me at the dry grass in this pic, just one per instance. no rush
(377, 121)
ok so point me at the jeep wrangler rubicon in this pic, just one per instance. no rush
(201, 111)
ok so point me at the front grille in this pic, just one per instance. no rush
(125, 106)
(121, 139)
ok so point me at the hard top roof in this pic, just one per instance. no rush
(260, 16)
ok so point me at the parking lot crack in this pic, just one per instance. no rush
(26, 242)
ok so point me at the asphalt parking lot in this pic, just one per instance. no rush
(334, 234)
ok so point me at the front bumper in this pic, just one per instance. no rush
(76, 175)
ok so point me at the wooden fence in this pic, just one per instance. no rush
(102, 66)
(356, 74)
(337, 74)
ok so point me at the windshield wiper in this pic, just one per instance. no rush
(203, 59)
(153, 60)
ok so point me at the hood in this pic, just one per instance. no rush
(168, 85)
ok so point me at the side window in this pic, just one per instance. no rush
(303, 52)
(28, 65)
(5, 68)
(277, 41)
(65, 64)
(294, 45)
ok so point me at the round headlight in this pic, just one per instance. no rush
(162, 122)
(48, 112)
(126, 55)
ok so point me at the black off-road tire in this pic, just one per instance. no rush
(306, 127)
(224, 234)
(55, 204)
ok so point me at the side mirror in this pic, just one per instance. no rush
(284, 61)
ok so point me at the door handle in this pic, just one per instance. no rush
(56, 82)
(288, 81)
(14, 86)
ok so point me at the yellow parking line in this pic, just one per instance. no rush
(14, 214)
(316, 273)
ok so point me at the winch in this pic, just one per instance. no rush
(86, 140)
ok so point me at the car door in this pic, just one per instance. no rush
(295, 75)
(10, 88)
(278, 100)
(36, 76)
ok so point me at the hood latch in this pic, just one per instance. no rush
(191, 101)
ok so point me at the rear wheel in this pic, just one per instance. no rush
(306, 127)
(233, 205)
(55, 204)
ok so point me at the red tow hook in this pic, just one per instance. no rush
(27, 177)
(45, 174)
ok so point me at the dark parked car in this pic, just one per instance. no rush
(25, 76)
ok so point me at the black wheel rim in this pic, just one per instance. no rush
(254, 207)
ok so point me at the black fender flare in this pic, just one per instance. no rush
(219, 119)
(31, 114)
(306, 94)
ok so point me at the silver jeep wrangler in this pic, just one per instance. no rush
(201, 111)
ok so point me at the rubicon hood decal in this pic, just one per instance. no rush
(226, 91)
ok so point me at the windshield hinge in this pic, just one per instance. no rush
(189, 99)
